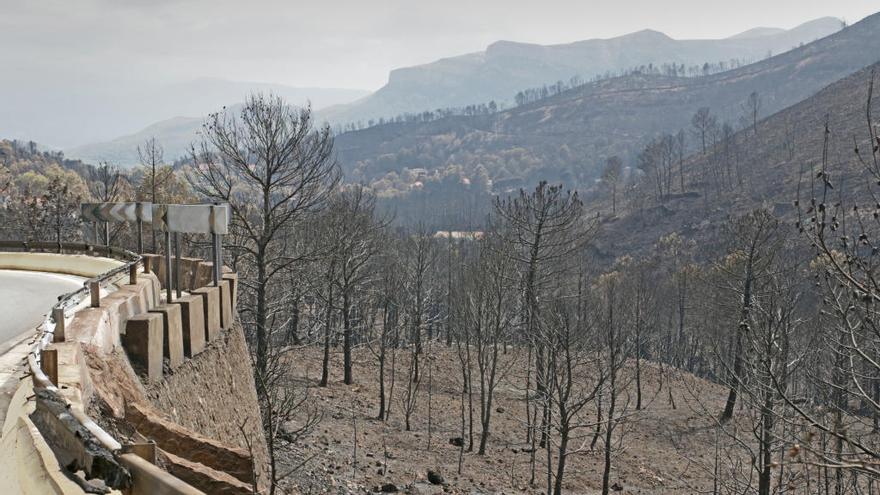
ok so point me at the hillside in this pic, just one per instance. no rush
(771, 163)
(672, 452)
(496, 74)
(506, 67)
(567, 137)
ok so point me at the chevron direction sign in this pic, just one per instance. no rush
(117, 212)
(191, 219)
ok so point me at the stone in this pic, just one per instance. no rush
(143, 342)
(172, 331)
(204, 478)
(435, 478)
(211, 306)
(192, 315)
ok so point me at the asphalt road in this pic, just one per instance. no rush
(26, 297)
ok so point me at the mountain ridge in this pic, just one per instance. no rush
(506, 67)
(568, 136)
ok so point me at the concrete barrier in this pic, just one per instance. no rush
(188, 269)
(144, 343)
(211, 300)
(226, 312)
(233, 287)
(131, 318)
(192, 313)
(172, 333)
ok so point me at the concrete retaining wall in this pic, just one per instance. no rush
(209, 395)
(215, 394)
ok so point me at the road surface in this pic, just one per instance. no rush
(26, 297)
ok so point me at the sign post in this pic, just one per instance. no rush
(118, 212)
(192, 219)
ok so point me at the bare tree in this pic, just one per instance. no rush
(156, 174)
(611, 175)
(755, 242)
(272, 167)
(356, 244)
(545, 228)
(489, 316)
(702, 122)
(751, 111)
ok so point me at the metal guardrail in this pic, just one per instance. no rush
(143, 476)
(46, 330)
(70, 299)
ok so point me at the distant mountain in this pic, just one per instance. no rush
(175, 135)
(498, 73)
(190, 102)
(757, 33)
(568, 137)
(506, 67)
(65, 113)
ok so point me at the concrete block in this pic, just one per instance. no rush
(204, 275)
(159, 269)
(211, 301)
(172, 330)
(192, 313)
(97, 327)
(143, 294)
(226, 314)
(125, 302)
(233, 288)
(143, 342)
(188, 269)
(74, 381)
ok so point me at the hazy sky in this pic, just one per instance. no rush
(338, 43)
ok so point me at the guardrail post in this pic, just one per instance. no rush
(140, 229)
(133, 274)
(107, 237)
(177, 264)
(216, 252)
(95, 292)
(58, 316)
